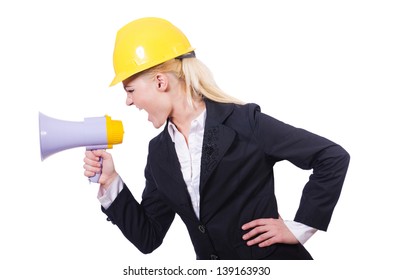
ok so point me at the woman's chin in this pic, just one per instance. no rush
(155, 123)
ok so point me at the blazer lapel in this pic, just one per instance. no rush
(167, 172)
(166, 158)
(217, 139)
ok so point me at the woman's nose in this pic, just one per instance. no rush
(129, 101)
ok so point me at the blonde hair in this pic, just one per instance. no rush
(198, 79)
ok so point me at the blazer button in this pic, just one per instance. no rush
(213, 257)
(202, 228)
(109, 220)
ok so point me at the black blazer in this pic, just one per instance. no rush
(240, 147)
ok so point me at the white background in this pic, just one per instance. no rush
(325, 66)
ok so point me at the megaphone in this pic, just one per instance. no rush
(93, 133)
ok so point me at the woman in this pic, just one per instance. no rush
(213, 162)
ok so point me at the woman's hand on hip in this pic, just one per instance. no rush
(266, 232)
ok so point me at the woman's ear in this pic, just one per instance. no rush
(161, 81)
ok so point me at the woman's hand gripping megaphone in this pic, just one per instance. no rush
(99, 167)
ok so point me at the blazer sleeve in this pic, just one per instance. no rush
(144, 224)
(328, 160)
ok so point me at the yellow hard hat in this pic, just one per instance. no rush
(144, 43)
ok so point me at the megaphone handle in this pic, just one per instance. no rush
(96, 177)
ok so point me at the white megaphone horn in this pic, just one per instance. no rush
(93, 133)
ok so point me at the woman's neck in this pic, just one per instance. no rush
(184, 113)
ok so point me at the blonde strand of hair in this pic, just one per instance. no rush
(198, 79)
